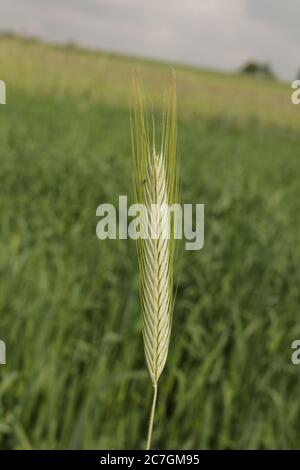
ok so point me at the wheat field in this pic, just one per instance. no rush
(69, 304)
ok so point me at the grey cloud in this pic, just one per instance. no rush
(215, 33)
(284, 15)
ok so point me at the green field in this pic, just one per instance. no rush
(69, 307)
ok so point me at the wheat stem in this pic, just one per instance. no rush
(151, 420)
(155, 184)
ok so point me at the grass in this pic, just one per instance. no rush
(72, 379)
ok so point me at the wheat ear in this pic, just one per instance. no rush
(155, 182)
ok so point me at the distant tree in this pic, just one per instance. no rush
(258, 70)
(7, 34)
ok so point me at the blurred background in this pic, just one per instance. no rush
(75, 376)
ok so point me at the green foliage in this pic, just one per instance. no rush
(69, 302)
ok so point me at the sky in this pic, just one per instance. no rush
(218, 34)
